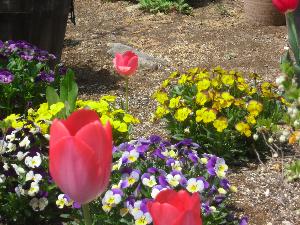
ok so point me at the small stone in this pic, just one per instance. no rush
(286, 223)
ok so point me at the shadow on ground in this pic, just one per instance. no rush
(92, 82)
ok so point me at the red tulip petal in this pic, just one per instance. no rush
(189, 218)
(118, 60)
(57, 131)
(74, 168)
(165, 196)
(163, 214)
(79, 119)
(127, 56)
(182, 200)
(100, 141)
(195, 203)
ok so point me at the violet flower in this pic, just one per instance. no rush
(6, 76)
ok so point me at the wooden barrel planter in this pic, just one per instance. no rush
(40, 22)
(263, 12)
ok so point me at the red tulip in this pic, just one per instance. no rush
(285, 6)
(126, 64)
(80, 155)
(175, 208)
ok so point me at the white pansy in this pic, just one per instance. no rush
(21, 155)
(61, 201)
(176, 165)
(5, 166)
(173, 180)
(150, 182)
(34, 189)
(3, 146)
(296, 123)
(11, 147)
(111, 199)
(19, 190)
(194, 185)
(131, 156)
(155, 192)
(34, 177)
(25, 143)
(19, 170)
(47, 136)
(38, 204)
(33, 162)
(2, 178)
(11, 137)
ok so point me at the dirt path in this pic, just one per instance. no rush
(216, 34)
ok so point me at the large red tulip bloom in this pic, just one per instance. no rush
(175, 208)
(285, 6)
(80, 155)
(126, 64)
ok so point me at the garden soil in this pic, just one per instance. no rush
(216, 33)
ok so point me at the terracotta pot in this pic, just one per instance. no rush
(263, 12)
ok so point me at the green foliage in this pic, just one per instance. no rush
(29, 74)
(293, 170)
(220, 110)
(155, 6)
(68, 94)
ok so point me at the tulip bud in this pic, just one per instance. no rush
(285, 6)
(80, 155)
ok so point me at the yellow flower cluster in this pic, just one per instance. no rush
(211, 97)
(43, 116)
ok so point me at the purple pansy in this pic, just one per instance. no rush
(6, 76)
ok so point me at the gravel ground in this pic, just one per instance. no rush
(215, 34)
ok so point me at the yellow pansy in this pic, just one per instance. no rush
(227, 79)
(242, 86)
(252, 91)
(174, 102)
(174, 75)
(203, 84)
(105, 118)
(201, 75)
(209, 116)
(239, 102)
(254, 107)
(220, 124)
(193, 70)
(266, 89)
(183, 79)
(109, 98)
(165, 83)
(161, 111)
(56, 108)
(201, 98)
(251, 119)
(14, 120)
(182, 113)
(199, 114)
(228, 99)
(161, 97)
(215, 82)
(243, 128)
(130, 119)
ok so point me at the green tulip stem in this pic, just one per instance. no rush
(86, 214)
(293, 41)
(127, 84)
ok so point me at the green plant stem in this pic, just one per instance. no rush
(86, 214)
(126, 94)
(293, 41)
